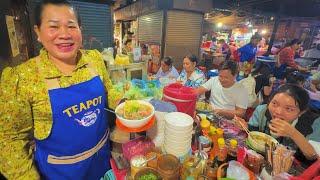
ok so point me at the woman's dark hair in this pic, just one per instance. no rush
(39, 9)
(295, 78)
(168, 60)
(300, 95)
(231, 66)
(256, 36)
(294, 41)
(192, 58)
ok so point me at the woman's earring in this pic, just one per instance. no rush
(39, 40)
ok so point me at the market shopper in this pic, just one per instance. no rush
(247, 54)
(224, 48)
(167, 70)
(287, 118)
(286, 56)
(191, 76)
(52, 119)
(228, 98)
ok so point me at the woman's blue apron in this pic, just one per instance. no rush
(77, 147)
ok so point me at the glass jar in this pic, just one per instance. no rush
(191, 168)
(169, 167)
(137, 163)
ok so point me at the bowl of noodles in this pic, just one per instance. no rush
(257, 140)
(134, 113)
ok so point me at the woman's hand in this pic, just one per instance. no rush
(280, 127)
(240, 123)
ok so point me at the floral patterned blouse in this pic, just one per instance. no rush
(196, 79)
(25, 111)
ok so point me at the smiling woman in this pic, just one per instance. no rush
(55, 98)
(58, 30)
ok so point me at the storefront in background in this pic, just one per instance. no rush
(167, 28)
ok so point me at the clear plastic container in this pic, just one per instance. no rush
(137, 163)
(169, 167)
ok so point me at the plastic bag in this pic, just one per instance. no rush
(107, 55)
(237, 171)
(122, 59)
(115, 94)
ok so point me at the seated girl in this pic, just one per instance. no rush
(287, 118)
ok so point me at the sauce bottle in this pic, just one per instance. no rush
(232, 150)
(222, 151)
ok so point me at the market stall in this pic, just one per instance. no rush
(182, 139)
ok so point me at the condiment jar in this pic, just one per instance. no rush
(222, 152)
(191, 168)
(232, 150)
(137, 163)
(219, 133)
(169, 167)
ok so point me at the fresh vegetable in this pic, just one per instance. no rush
(203, 106)
(148, 176)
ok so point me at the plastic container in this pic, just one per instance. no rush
(222, 151)
(191, 168)
(169, 167)
(232, 150)
(219, 133)
(184, 98)
(137, 163)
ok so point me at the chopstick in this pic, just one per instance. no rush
(247, 131)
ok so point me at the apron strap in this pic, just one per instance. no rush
(81, 156)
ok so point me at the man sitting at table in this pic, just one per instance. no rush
(286, 55)
(228, 98)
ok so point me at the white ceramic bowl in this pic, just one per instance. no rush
(170, 128)
(178, 150)
(181, 138)
(178, 120)
(177, 153)
(178, 142)
(137, 123)
(257, 144)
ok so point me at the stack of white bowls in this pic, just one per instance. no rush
(178, 133)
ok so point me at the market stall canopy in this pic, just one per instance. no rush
(294, 8)
(243, 13)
